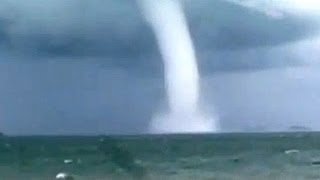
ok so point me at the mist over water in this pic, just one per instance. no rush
(181, 71)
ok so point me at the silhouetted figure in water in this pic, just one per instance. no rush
(22, 155)
(120, 156)
(4, 146)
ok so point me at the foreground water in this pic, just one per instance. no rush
(209, 157)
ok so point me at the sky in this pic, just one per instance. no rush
(80, 67)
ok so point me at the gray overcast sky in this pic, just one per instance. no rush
(91, 67)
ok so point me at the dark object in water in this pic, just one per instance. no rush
(317, 162)
(120, 156)
(235, 160)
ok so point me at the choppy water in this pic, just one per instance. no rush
(208, 157)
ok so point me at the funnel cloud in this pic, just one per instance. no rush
(181, 70)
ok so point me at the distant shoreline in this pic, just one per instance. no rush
(240, 133)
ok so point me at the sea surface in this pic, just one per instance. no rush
(233, 156)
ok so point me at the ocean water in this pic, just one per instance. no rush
(204, 156)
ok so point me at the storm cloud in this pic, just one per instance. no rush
(94, 67)
(116, 30)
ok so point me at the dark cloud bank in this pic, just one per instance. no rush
(91, 67)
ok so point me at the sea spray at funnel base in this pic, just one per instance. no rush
(181, 72)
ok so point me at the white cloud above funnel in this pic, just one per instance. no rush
(307, 6)
(298, 7)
